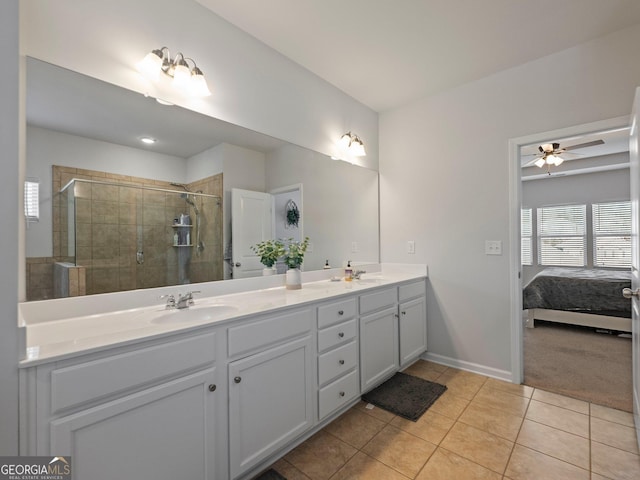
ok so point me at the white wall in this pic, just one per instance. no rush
(253, 86)
(609, 186)
(11, 240)
(204, 164)
(47, 147)
(330, 186)
(444, 181)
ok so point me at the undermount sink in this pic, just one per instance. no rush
(368, 280)
(194, 314)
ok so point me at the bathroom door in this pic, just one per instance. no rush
(634, 158)
(251, 222)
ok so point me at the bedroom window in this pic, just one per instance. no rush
(612, 234)
(526, 234)
(562, 236)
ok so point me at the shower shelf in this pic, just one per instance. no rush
(190, 245)
(179, 225)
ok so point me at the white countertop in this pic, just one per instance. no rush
(60, 337)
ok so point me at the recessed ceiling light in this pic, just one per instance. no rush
(148, 140)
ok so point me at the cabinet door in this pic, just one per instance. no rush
(270, 402)
(164, 432)
(413, 330)
(378, 347)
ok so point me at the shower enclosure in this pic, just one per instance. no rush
(132, 236)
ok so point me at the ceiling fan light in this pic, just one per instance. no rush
(559, 161)
(540, 162)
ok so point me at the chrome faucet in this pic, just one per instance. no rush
(186, 299)
(171, 301)
(357, 273)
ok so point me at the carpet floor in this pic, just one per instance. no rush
(579, 363)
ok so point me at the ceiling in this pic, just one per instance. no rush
(389, 53)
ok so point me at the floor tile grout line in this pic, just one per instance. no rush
(515, 441)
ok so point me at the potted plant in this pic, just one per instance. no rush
(269, 252)
(293, 258)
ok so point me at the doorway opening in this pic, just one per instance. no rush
(519, 148)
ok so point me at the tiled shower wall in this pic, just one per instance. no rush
(114, 222)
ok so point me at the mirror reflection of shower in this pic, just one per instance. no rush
(191, 200)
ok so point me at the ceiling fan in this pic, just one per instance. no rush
(550, 154)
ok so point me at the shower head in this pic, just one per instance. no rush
(191, 202)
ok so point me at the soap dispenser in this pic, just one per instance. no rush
(326, 265)
(348, 272)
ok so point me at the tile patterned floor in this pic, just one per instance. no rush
(481, 428)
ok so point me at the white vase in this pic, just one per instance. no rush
(266, 271)
(293, 279)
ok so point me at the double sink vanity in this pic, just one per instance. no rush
(218, 390)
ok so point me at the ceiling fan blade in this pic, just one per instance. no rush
(584, 145)
(531, 163)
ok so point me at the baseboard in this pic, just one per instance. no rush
(468, 366)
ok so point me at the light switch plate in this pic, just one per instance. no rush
(354, 247)
(411, 247)
(493, 247)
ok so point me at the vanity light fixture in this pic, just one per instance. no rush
(185, 78)
(352, 144)
(148, 140)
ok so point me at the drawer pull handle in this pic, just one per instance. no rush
(342, 394)
(212, 387)
(341, 334)
(341, 312)
(341, 362)
(237, 379)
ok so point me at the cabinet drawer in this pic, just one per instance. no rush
(411, 290)
(250, 336)
(336, 312)
(378, 300)
(77, 384)
(341, 333)
(337, 362)
(337, 394)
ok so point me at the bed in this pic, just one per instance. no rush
(579, 296)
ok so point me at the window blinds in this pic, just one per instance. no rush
(612, 234)
(562, 235)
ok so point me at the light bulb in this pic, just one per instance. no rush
(198, 85)
(551, 159)
(182, 76)
(345, 140)
(357, 148)
(151, 65)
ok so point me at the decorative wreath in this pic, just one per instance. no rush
(292, 214)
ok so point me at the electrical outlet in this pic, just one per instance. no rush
(310, 247)
(493, 247)
(411, 247)
(354, 247)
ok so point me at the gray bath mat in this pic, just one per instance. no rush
(405, 395)
(270, 474)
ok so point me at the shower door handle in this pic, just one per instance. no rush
(139, 257)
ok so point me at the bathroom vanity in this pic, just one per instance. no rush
(217, 395)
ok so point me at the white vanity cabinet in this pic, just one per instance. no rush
(271, 385)
(338, 376)
(393, 331)
(378, 337)
(147, 412)
(412, 321)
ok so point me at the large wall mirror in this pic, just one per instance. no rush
(119, 214)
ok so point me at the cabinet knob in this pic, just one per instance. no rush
(404, 313)
(237, 379)
(341, 334)
(396, 315)
(212, 387)
(341, 312)
(342, 394)
(237, 264)
(341, 362)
